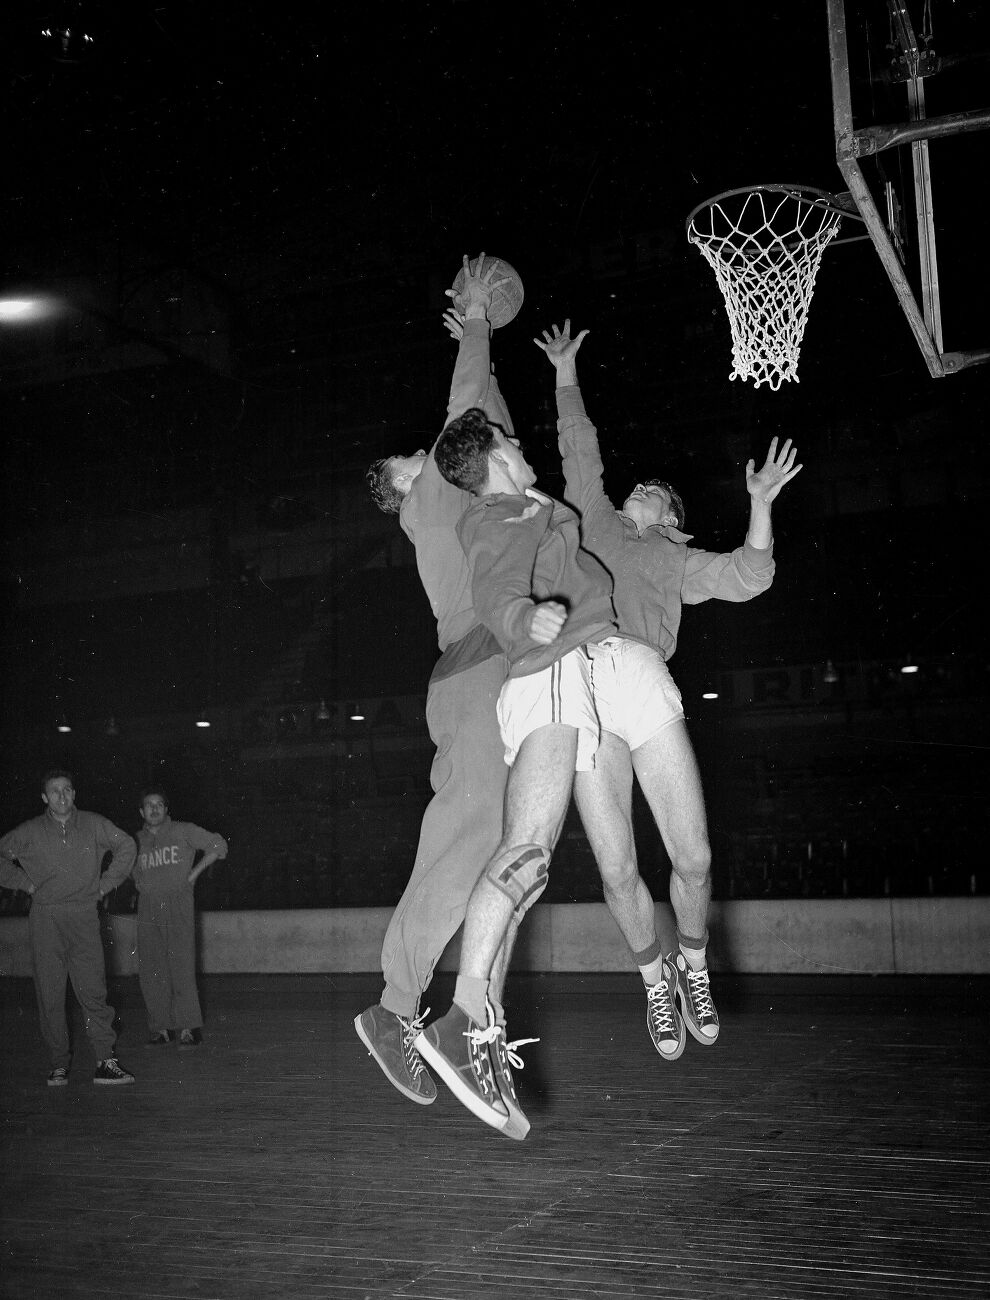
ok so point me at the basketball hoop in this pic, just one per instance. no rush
(765, 244)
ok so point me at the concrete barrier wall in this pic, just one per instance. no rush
(910, 936)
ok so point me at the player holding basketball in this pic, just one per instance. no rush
(643, 728)
(463, 821)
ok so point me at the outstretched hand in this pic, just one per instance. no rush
(478, 288)
(778, 469)
(454, 323)
(559, 346)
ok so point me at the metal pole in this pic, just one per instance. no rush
(853, 175)
(926, 224)
(902, 25)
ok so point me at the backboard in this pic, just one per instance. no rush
(911, 105)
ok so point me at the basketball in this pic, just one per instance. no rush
(506, 299)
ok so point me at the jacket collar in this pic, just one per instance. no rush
(665, 530)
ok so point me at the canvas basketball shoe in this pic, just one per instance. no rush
(390, 1040)
(695, 997)
(662, 1017)
(458, 1049)
(110, 1071)
(505, 1058)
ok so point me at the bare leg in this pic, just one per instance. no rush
(465, 1047)
(536, 799)
(500, 967)
(667, 771)
(604, 801)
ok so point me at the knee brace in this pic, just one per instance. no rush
(521, 873)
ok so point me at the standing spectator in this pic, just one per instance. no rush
(57, 859)
(165, 872)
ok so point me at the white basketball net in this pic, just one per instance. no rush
(765, 247)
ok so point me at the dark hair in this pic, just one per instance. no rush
(380, 478)
(149, 790)
(675, 498)
(462, 451)
(57, 774)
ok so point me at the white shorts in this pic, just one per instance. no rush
(634, 693)
(560, 693)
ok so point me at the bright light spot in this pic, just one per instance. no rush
(357, 717)
(63, 727)
(37, 307)
(709, 695)
(910, 668)
(202, 722)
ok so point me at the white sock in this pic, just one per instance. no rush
(695, 957)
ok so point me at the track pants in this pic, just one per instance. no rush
(166, 929)
(460, 831)
(66, 944)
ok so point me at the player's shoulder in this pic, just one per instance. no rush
(28, 829)
(187, 829)
(85, 818)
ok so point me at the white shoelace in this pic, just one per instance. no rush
(701, 997)
(513, 1057)
(491, 1035)
(661, 1008)
(410, 1029)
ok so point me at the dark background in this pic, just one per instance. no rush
(250, 213)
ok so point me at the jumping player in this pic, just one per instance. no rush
(547, 601)
(644, 733)
(463, 821)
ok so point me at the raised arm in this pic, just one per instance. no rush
(562, 352)
(472, 372)
(763, 488)
(601, 528)
(432, 503)
(748, 570)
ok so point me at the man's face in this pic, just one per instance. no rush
(154, 810)
(517, 467)
(59, 796)
(405, 470)
(649, 504)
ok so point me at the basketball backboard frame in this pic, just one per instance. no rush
(911, 62)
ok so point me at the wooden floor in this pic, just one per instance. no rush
(835, 1142)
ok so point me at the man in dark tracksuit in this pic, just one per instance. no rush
(165, 872)
(57, 859)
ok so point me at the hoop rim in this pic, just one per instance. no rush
(821, 198)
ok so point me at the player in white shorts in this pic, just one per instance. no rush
(643, 728)
(547, 601)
